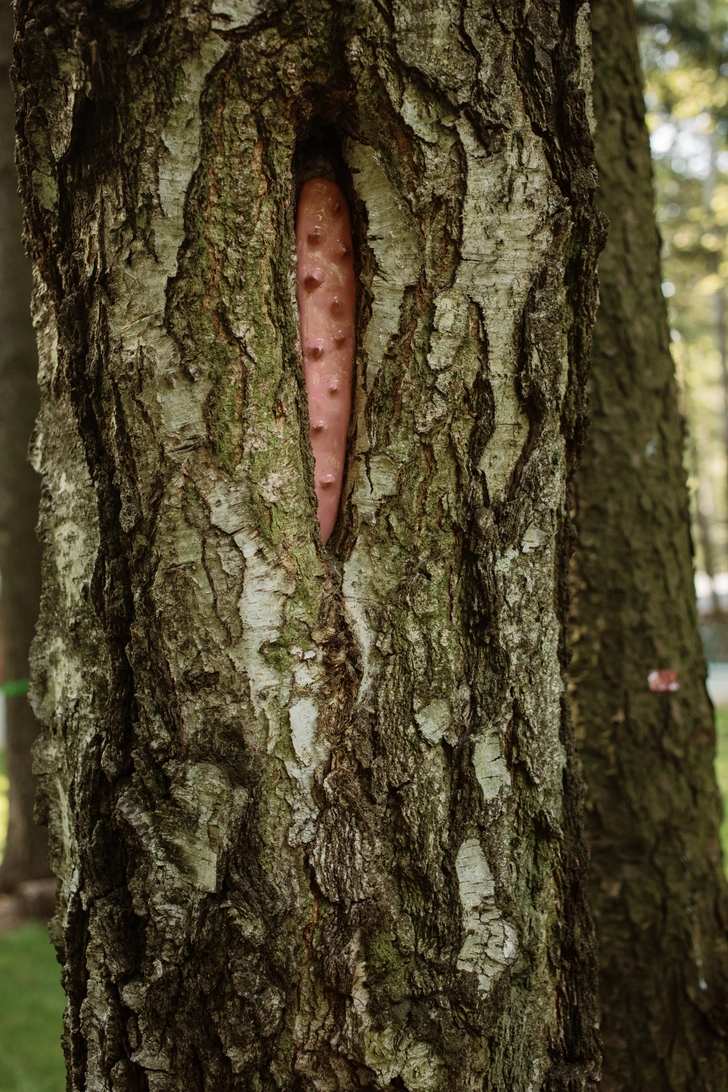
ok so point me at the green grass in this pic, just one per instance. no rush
(31, 999)
(31, 1010)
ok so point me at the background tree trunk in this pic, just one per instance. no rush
(657, 887)
(26, 851)
(314, 810)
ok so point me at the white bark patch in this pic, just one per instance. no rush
(376, 478)
(507, 227)
(311, 752)
(365, 584)
(395, 1053)
(70, 80)
(73, 527)
(283, 697)
(137, 315)
(434, 720)
(359, 992)
(69, 528)
(383, 475)
(266, 587)
(422, 116)
(490, 943)
(181, 138)
(233, 14)
(450, 328)
(509, 212)
(199, 817)
(228, 505)
(303, 715)
(490, 765)
(393, 238)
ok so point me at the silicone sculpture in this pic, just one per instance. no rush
(326, 301)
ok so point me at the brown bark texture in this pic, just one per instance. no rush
(26, 850)
(314, 810)
(657, 887)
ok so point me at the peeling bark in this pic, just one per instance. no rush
(313, 808)
(657, 886)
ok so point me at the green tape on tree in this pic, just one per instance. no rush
(14, 688)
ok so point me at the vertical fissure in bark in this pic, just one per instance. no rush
(319, 153)
(312, 809)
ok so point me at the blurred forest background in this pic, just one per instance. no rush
(684, 47)
(685, 60)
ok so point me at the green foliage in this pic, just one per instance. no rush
(31, 1008)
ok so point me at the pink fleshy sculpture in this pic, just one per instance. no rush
(326, 303)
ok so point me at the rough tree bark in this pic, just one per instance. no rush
(657, 886)
(26, 851)
(314, 810)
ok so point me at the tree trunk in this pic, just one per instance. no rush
(313, 809)
(26, 851)
(657, 887)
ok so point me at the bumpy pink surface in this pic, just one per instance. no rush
(326, 300)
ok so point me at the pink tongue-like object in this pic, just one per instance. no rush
(326, 300)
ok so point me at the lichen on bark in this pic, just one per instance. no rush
(314, 809)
